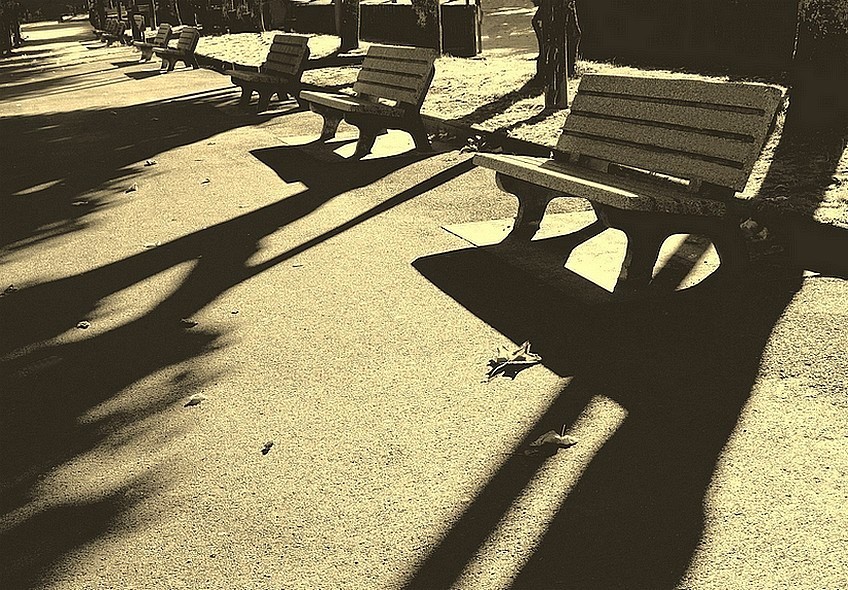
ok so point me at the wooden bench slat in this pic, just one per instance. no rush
(736, 148)
(412, 54)
(349, 104)
(743, 96)
(385, 64)
(399, 81)
(283, 59)
(382, 91)
(669, 162)
(620, 192)
(672, 114)
(286, 49)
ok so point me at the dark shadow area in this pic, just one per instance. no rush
(142, 75)
(48, 85)
(50, 387)
(805, 174)
(681, 367)
(87, 149)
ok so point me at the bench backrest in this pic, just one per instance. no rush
(187, 41)
(287, 56)
(696, 130)
(138, 28)
(396, 73)
(163, 35)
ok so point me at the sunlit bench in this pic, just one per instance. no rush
(654, 157)
(388, 93)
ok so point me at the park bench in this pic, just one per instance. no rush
(115, 31)
(163, 35)
(280, 74)
(388, 93)
(654, 157)
(184, 51)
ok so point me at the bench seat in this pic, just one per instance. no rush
(184, 51)
(350, 104)
(654, 157)
(627, 192)
(279, 74)
(389, 74)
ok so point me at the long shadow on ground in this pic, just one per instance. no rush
(51, 160)
(681, 366)
(49, 388)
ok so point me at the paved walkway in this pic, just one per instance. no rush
(162, 245)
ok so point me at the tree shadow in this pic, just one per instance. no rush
(89, 150)
(485, 112)
(681, 367)
(51, 385)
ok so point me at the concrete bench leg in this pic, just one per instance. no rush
(246, 94)
(332, 120)
(146, 54)
(532, 202)
(419, 135)
(643, 248)
(368, 133)
(264, 99)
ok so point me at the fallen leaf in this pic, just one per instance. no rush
(83, 325)
(79, 203)
(205, 181)
(234, 312)
(753, 230)
(266, 448)
(195, 400)
(188, 323)
(150, 162)
(549, 443)
(552, 437)
(132, 188)
(9, 289)
(150, 245)
(509, 364)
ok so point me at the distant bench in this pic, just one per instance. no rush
(115, 30)
(388, 93)
(654, 157)
(163, 35)
(184, 51)
(280, 74)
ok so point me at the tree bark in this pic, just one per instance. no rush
(429, 16)
(819, 75)
(549, 23)
(347, 23)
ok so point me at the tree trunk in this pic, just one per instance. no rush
(549, 23)
(347, 23)
(429, 16)
(819, 76)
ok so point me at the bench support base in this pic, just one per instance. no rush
(646, 231)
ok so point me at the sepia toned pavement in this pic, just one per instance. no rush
(157, 243)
